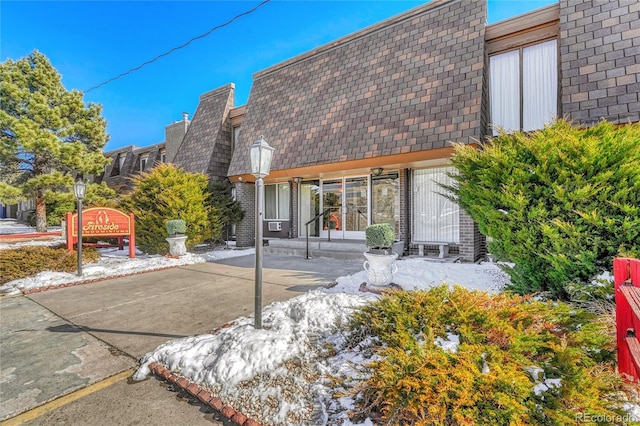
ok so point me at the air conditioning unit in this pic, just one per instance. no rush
(275, 226)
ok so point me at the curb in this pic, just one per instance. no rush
(379, 291)
(202, 395)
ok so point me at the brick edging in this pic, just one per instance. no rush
(91, 280)
(202, 395)
(380, 291)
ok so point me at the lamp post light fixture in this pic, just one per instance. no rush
(79, 188)
(261, 154)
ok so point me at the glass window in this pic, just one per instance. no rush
(283, 201)
(276, 201)
(143, 163)
(385, 197)
(435, 217)
(523, 87)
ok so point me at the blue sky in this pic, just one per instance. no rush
(92, 41)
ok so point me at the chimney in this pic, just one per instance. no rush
(174, 133)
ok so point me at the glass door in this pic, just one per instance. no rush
(348, 203)
(332, 200)
(355, 214)
(309, 207)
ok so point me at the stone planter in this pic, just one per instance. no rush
(380, 268)
(177, 246)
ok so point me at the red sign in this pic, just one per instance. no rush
(102, 222)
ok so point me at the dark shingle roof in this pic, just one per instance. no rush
(411, 83)
(206, 147)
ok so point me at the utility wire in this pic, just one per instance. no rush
(179, 47)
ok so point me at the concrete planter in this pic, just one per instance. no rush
(177, 245)
(380, 268)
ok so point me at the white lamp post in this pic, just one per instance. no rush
(79, 189)
(261, 154)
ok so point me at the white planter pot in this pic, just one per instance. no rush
(177, 246)
(380, 268)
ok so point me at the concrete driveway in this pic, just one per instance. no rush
(84, 341)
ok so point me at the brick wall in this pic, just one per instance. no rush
(173, 135)
(295, 226)
(600, 60)
(470, 248)
(245, 230)
(403, 211)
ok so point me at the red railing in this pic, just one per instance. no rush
(626, 273)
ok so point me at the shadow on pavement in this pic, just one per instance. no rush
(68, 328)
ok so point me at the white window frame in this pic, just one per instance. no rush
(516, 80)
(279, 214)
(143, 162)
(435, 218)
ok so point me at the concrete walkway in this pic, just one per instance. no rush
(72, 339)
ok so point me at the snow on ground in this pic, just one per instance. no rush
(282, 374)
(113, 262)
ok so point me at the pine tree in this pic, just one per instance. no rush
(46, 133)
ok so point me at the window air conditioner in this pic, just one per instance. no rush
(275, 226)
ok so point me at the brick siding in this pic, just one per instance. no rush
(600, 60)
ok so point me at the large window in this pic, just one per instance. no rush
(523, 87)
(276, 201)
(435, 217)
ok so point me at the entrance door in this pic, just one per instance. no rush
(356, 212)
(309, 208)
(348, 201)
(332, 200)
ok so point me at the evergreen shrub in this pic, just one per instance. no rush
(221, 198)
(164, 193)
(379, 236)
(27, 261)
(560, 203)
(176, 226)
(518, 362)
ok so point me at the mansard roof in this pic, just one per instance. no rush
(411, 83)
(206, 147)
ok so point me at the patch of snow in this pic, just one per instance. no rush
(450, 344)
(115, 262)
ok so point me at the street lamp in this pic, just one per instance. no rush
(261, 154)
(79, 189)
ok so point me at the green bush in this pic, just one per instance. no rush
(164, 193)
(379, 236)
(508, 347)
(176, 226)
(221, 198)
(27, 261)
(560, 203)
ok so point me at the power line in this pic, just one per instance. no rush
(179, 47)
